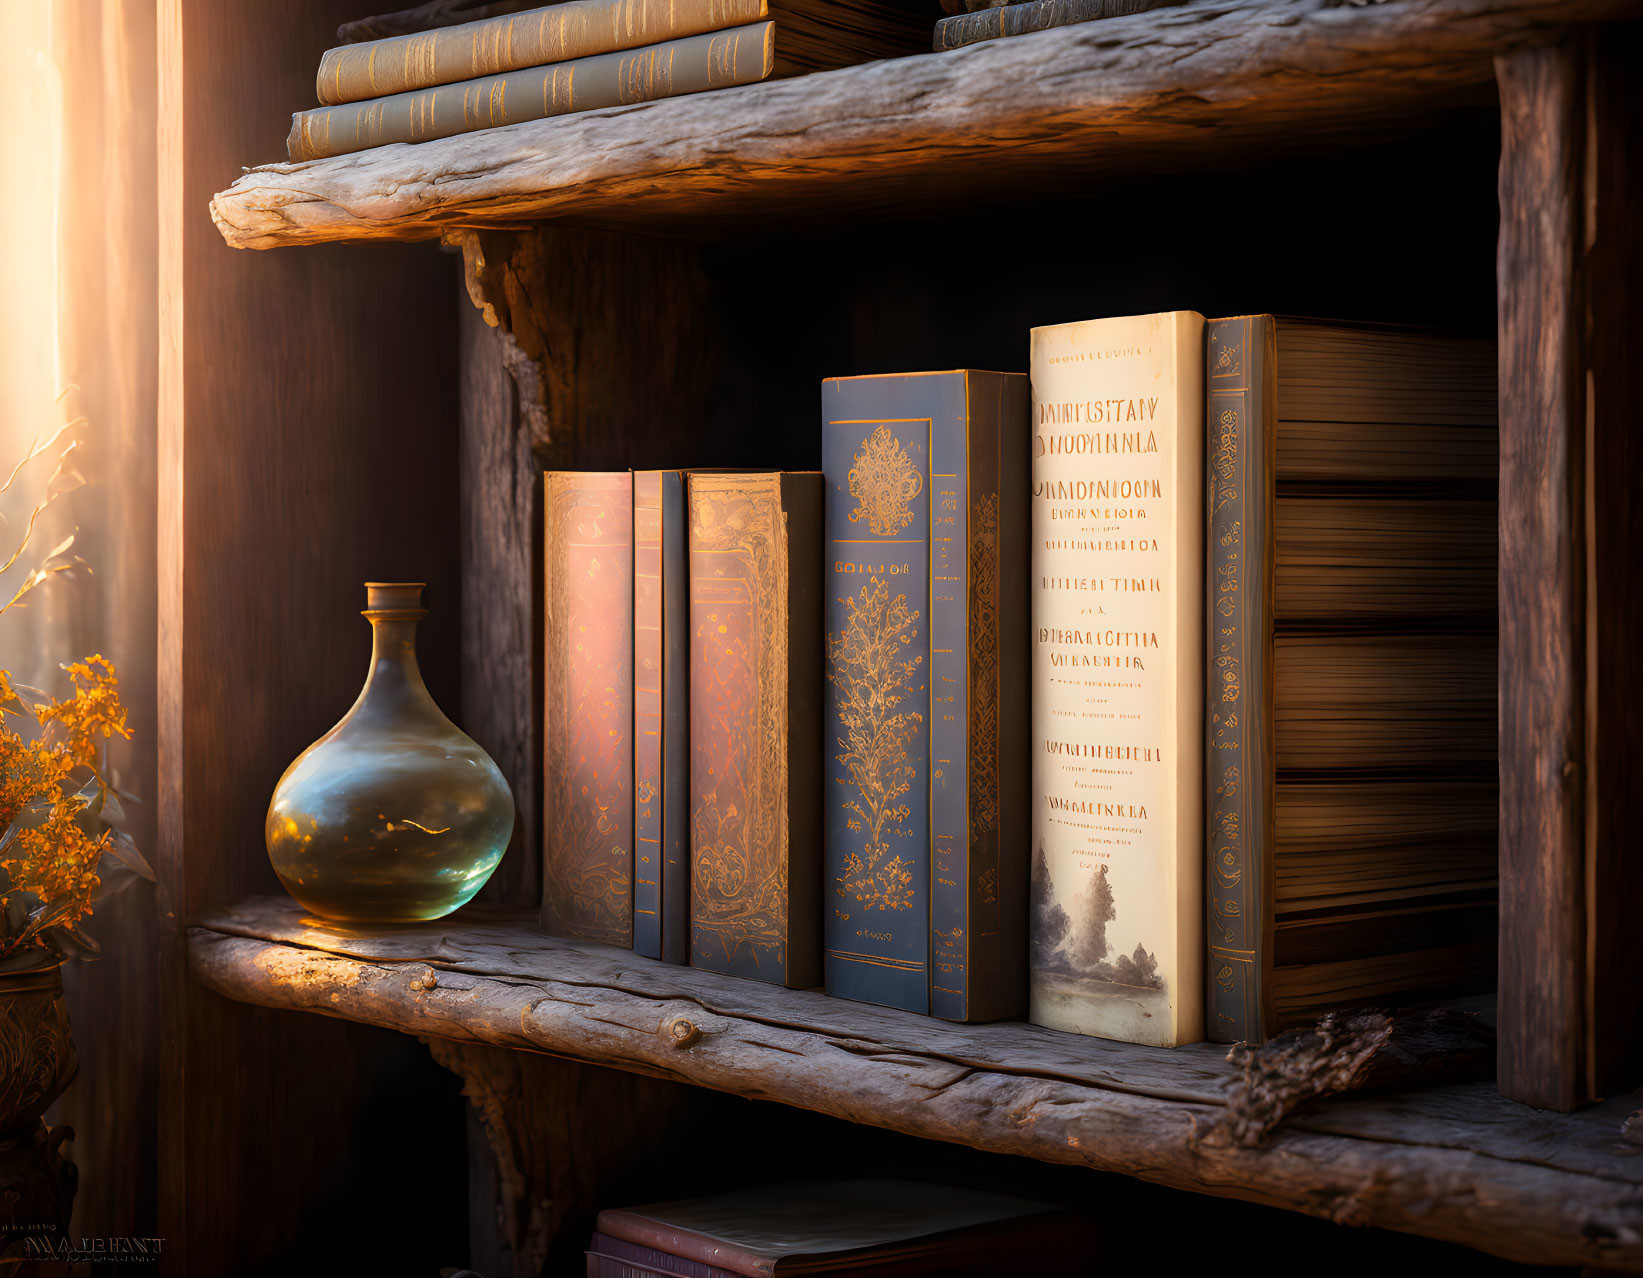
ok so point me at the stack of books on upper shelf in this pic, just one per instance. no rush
(583, 55)
(1151, 694)
(841, 1227)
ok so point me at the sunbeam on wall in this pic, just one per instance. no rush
(78, 288)
(32, 404)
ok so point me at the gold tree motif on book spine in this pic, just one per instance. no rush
(871, 663)
(884, 482)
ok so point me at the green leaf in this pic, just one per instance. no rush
(112, 813)
(124, 852)
(112, 879)
(71, 943)
(18, 909)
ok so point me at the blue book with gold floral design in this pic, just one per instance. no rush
(876, 862)
(927, 658)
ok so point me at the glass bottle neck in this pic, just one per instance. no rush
(395, 677)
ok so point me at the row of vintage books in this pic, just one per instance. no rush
(1151, 694)
(524, 63)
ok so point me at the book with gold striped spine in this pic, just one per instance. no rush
(720, 59)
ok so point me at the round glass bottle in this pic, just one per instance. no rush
(395, 814)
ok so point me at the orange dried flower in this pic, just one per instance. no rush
(28, 770)
(51, 854)
(94, 711)
(57, 861)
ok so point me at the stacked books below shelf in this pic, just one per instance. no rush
(841, 1227)
(581, 55)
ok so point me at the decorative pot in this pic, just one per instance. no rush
(37, 1056)
(37, 1063)
(395, 814)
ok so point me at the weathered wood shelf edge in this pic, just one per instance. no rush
(1172, 87)
(1457, 1163)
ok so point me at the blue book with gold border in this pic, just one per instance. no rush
(970, 804)
(876, 861)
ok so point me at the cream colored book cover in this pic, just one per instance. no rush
(1117, 884)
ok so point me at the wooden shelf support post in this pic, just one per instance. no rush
(1571, 586)
(551, 1141)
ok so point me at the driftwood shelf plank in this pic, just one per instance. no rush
(1457, 1163)
(1198, 84)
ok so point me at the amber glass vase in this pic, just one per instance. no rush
(395, 814)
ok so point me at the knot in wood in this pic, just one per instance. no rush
(681, 1031)
(427, 981)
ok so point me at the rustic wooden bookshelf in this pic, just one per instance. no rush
(665, 285)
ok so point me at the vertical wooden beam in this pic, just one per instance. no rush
(1542, 580)
(1613, 244)
(1571, 570)
(562, 1140)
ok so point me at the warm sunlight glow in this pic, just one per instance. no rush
(31, 304)
(31, 149)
